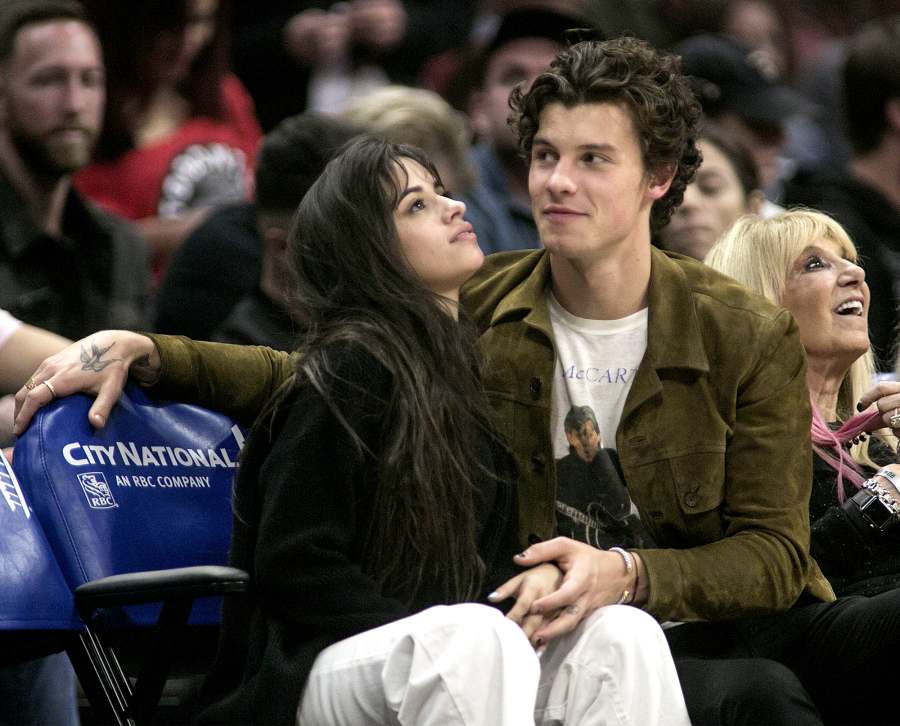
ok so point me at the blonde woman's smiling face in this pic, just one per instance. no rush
(828, 296)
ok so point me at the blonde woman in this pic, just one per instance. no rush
(417, 117)
(805, 261)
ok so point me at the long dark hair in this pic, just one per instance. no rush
(128, 31)
(355, 288)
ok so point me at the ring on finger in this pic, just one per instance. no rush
(572, 609)
(30, 383)
(894, 420)
(50, 388)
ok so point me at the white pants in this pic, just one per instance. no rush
(469, 665)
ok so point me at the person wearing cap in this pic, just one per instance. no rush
(742, 95)
(865, 196)
(525, 42)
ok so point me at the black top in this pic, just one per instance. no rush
(856, 559)
(94, 276)
(303, 501)
(218, 264)
(873, 224)
(256, 320)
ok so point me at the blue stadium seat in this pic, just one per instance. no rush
(117, 531)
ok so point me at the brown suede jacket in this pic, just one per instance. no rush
(714, 437)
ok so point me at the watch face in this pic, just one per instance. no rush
(877, 512)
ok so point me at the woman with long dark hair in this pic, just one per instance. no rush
(180, 133)
(375, 507)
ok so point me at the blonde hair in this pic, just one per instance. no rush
(760, 254)
(417, 117)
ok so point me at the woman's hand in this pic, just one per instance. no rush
(892, 490)
(592, 578)
(886, 397)
(526, 587)
(98, 364)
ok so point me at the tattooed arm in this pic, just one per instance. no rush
(99, 364)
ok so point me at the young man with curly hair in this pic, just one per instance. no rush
(698, 387)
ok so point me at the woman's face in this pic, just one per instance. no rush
(829, 298)
(175, 50)
(438, 243)
(712, 203)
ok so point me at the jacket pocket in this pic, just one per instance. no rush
(699, 485)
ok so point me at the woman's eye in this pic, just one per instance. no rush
(417, 205)
(814, 263)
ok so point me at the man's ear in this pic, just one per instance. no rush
(755, 201)
(477, 118)
(892, 114)
(660, 179)
(2, 100)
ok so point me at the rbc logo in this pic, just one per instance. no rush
(97, 490)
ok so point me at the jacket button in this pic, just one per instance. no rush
(537, 463)
(535, 387)
(691, 499)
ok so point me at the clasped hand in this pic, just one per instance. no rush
(590, 578)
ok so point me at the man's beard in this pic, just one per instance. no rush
(52, 156)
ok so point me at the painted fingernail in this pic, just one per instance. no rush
(494, 596)
(519, 556)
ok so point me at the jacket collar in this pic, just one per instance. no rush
(529, 297)
(674, 338)
(18, 231)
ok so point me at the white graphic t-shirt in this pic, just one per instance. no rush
(596, 361)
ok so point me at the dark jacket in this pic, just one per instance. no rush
(713, 441)
(856, 559)
(94, 276)
(303, 503)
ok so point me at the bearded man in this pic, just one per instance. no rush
(64, 265)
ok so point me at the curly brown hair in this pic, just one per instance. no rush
(663, 108)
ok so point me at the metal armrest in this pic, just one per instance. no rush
(135, 588)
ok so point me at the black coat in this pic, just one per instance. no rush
(856, 559)
(303, 501)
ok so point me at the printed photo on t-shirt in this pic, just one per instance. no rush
(593, 504)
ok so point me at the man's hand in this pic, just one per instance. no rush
(379, 24)
(318, 37)
(527, 587)
(99, 364)
(592, 578)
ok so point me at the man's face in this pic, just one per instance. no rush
(52, 96)
(590, 193)
(517, 62)
(585, 440)
(765, 143)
